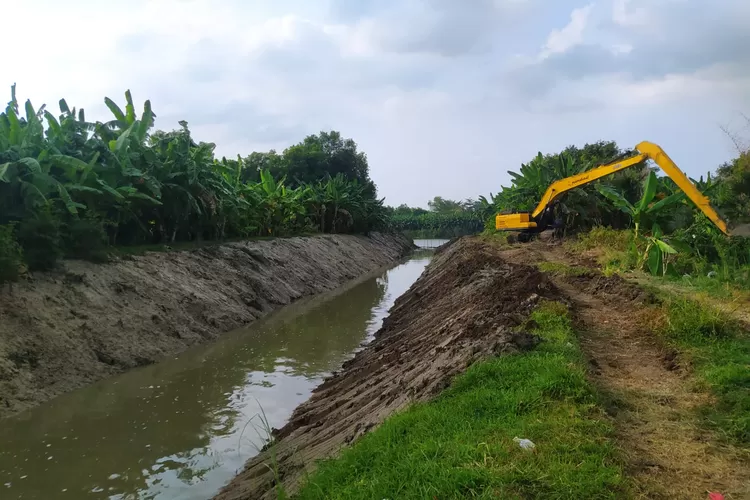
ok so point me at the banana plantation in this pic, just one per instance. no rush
(72, 187)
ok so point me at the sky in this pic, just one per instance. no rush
(444, 96)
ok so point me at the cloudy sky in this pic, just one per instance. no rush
(444, 96)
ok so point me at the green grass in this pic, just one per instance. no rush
(461, 444)
(715, 287)
(718, 348)
(560, 269)
(604, 238)
(712, 286)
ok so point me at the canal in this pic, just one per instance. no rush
(182, 428)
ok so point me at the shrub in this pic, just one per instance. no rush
(11, 256)
(40, 239)
(86, 239)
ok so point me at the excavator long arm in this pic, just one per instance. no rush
(669, 167)
(558, 188)
(646, 151)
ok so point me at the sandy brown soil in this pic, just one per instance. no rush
(462, 309)
(653, 401)
(60, 331)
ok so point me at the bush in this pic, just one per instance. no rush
(11, 256)
(703, 248)
(86, 239)
(40, 240)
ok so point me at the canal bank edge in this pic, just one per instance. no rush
(63, 330)
(465, 307)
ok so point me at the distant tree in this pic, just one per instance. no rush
(444, 206)
(734, 194)
(255, 162)
(405, 210)
(595, 154)
(323, 155)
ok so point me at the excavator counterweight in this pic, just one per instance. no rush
(538, 220)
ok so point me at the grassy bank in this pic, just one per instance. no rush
(717, 350)
(462, 444)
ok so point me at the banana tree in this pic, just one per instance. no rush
(314, 196)
(125, 120)
(656, 255)
(645, 205)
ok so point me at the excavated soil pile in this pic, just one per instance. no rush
(466, 306)
(62, 330)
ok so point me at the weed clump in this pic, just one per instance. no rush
(604, 238)
(695, 323)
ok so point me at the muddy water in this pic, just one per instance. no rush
(182, 428)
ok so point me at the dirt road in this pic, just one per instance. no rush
(466, 306)
(653, 401)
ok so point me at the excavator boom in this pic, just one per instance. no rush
(530, 222)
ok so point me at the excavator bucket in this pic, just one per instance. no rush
(743, 230)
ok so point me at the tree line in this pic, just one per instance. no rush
(444, 218)
(73, 187)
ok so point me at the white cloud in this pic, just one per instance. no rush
(443, 96)
(623, 16)
(571, 35)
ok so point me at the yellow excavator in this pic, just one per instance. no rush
(529, 223)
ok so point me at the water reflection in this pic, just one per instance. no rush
(429, 243)
(182, 428)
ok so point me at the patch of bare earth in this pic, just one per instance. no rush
(653, 401)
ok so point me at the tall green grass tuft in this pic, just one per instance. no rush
(461, 444)
(604, 238)
(719, 350)
(614, 249)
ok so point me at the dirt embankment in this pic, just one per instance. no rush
(465, 306)
(60, 331)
